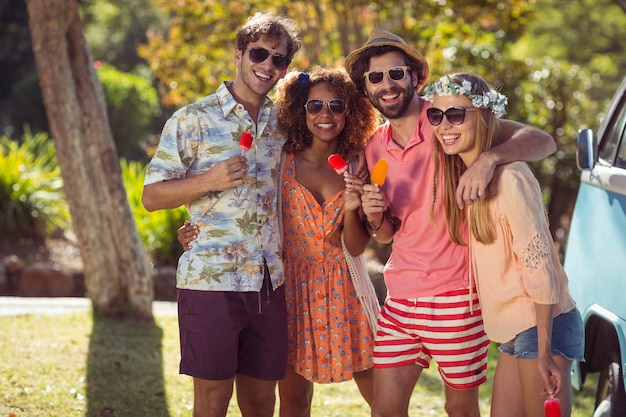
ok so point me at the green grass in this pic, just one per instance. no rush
(86, 365)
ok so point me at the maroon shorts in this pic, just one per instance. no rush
(228, 333)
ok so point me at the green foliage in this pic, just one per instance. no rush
(32, 201)
(587, 33)
(157, 229)
(26, 106)
(194, 54)
(33, 204)
(114, 28)
(132, 105)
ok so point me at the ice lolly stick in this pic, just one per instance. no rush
(337, 163)
(379, 173)
(552, 407)
(245, 142)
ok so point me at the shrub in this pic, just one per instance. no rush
(33, 204)
(157, 229)
(132, 106)
(32, 201)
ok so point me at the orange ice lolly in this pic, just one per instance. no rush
(379, 173)
(552, 407)
(245, 142)
(337, 163)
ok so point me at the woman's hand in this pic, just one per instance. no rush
(186, 234)
(552, 375)
(354, 189)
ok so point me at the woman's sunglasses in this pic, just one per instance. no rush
(395, 73)
(455, 115)
(258, 55)
(336, 106)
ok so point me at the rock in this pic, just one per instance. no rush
(13, 267)
(165, 283)
(4, 280)
(43, 280)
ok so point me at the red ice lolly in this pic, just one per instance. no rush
(552, 407)
(379, 173)
(245, 142)
(337, 163)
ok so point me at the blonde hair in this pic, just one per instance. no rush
(453, 167)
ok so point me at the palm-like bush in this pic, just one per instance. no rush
(33, 204)
(157, 229)
(32, 201)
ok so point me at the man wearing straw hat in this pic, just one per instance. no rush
(431, 310)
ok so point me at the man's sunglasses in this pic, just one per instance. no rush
(395, 73)
(336, 106)
(258, 55)
(455, 115)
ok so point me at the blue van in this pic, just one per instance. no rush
(595, 258)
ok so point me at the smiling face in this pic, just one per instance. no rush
(324, 126)
(255, 80)
(390, 97)
(457, 139)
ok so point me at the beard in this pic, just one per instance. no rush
(396, 110)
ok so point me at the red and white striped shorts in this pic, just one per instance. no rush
(413, 331)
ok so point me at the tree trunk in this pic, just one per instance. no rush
(117, 270)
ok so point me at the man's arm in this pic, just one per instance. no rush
(513, 142)
(174, 193)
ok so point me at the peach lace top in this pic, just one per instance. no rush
(522, 267)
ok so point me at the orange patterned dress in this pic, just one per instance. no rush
(328, 333)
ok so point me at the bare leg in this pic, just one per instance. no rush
(211, 398)
(256, 397)
(462, 403)
(296, 394)
(392, 390)
(506, 398)
(365, 382)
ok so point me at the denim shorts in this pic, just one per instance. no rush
(567, 339)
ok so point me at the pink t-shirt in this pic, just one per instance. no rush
(424, 261)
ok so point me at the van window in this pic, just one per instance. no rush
(620, 161)
(614, 138)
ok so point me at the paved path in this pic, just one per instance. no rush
(64, 305)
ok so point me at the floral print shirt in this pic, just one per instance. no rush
(238, 228)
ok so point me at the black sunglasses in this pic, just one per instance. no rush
(395, 73)
(258, 55)
(336, 106)
(455, 115)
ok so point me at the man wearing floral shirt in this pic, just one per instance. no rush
(230, 295)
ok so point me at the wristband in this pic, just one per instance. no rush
(376, 229)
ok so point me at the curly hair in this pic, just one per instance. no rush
(273, 28)
(292, 93)
(360, 67)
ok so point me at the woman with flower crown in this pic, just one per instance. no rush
(522, 287)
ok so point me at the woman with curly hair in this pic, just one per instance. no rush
(329, 336)
(331, 308)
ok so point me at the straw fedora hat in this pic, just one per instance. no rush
(381, 37)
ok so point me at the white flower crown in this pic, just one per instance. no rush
(488, 100)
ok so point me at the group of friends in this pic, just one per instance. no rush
(267, 289)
